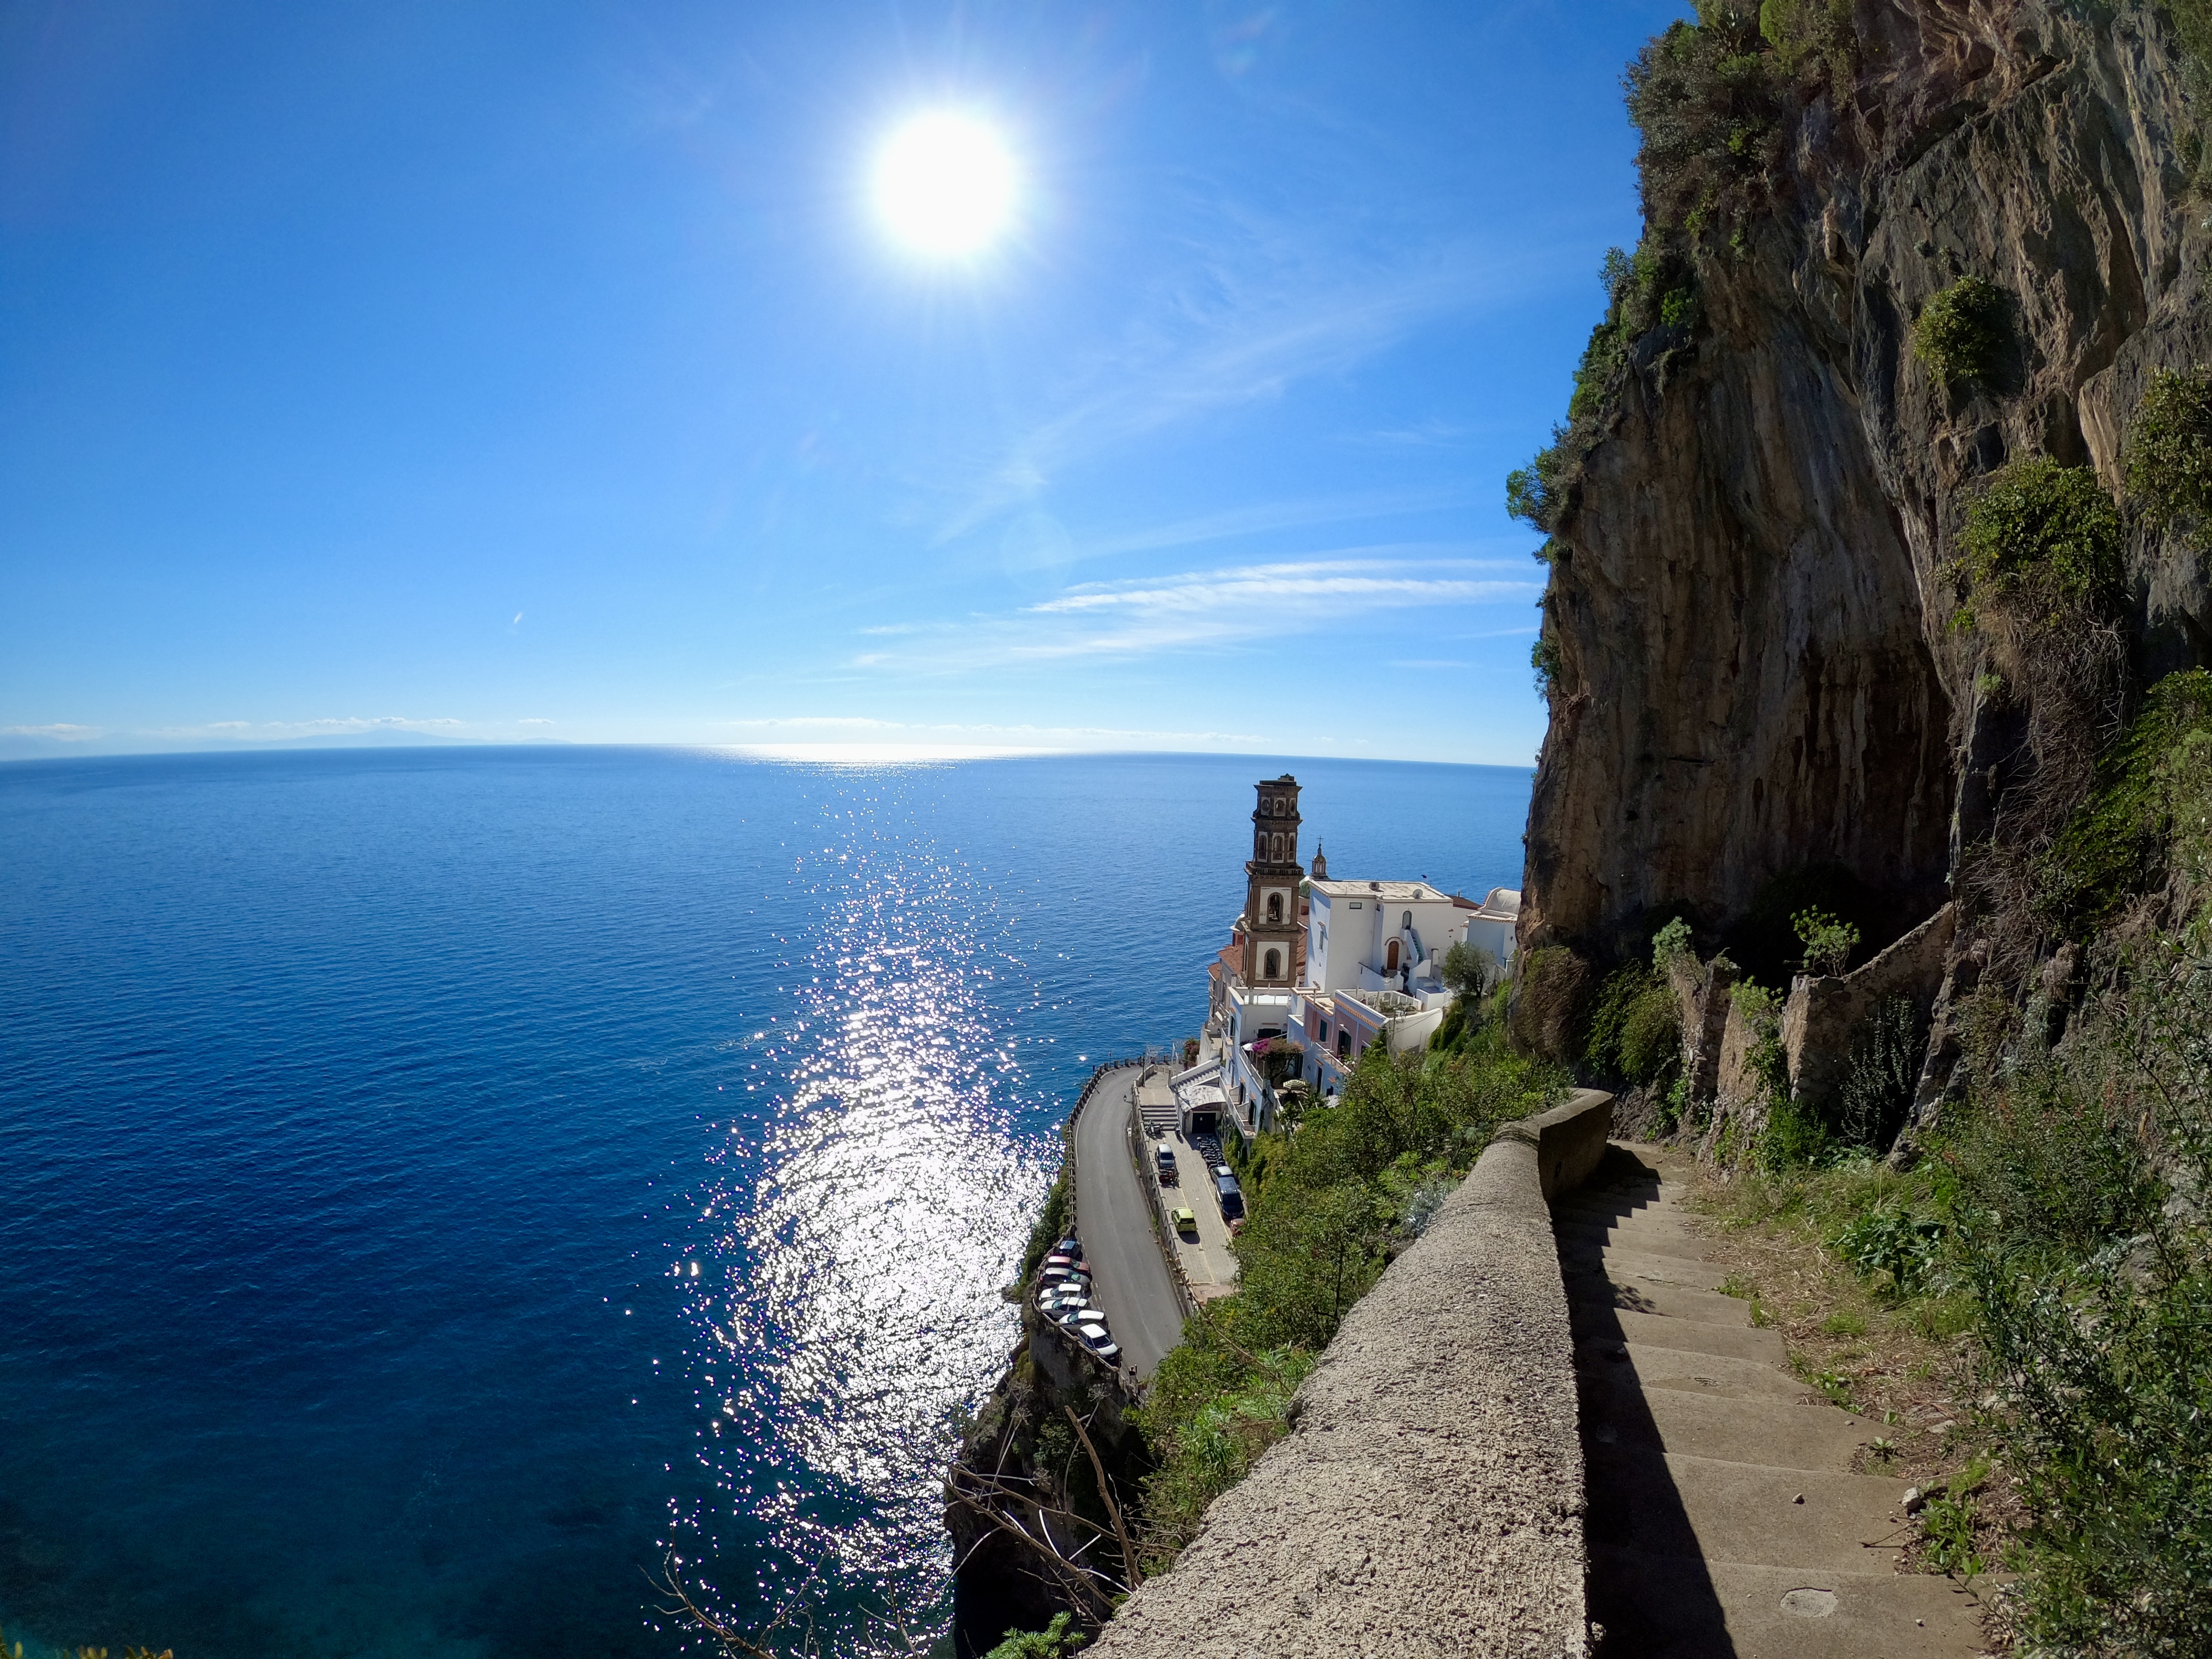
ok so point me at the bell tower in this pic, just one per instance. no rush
(1272, 875)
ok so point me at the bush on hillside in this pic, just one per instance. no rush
(1962, 332)
(1828, 943)
(1052, 1220)
(1635, 1028)
(1058, 1640)
(2169, 447)
(1550, 985)
(1706, 99)
(2146, 821)
(2095, 1291)
(2043, 541)
(1880, 1076)
(1646, 290)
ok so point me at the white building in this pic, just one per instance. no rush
(1375, 959)
(1392, 935)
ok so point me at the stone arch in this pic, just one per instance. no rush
(1272, 966)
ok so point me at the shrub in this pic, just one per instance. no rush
(1051, 1220)
(2041, 538)
(1962, 329)
(1881, 1076)
(1550, 985)
(1635, 1027)
(2095, 1288)
(2146, 818)
(1467, 968)
(1671, 944)
(1899, 1251)
(1057, 1640)
(1705, 98)
(2169, 447)
(1828, 943)
(1213, 1407)
(1651, 1036)
(1544, 658)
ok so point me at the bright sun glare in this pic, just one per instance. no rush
(944, 184)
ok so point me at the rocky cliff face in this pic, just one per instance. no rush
(1749, 606)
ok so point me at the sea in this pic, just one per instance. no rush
(446, 1193)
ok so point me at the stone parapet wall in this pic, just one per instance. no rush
(1428, 1500)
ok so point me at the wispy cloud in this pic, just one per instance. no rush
(280, 731)
(1264, 309)
(856, 738)
(1260, 518)
(1226, 605)
(60, 732)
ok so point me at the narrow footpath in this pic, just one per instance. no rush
(1724, 1518)
(1114, 1213)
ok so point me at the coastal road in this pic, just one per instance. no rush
(1128, 1275)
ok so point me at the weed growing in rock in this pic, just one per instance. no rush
(1895, 1250)
(1962, 330)
(1635, 1027)
(1646, 290)
(1828, 943)
(2041, 539)
(2147, 821)
(1880, 1076)
(2169, 448)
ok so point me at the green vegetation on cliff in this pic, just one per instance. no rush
(1328, 1207)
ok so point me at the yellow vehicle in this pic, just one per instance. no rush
(1186, 1221)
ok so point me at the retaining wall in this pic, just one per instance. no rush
(1428, 1500)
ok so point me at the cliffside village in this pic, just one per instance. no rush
(1317, 969)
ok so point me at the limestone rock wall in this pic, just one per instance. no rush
(1747, 596)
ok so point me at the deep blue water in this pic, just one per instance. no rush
(435, 1183)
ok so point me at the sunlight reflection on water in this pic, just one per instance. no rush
(865, 1244)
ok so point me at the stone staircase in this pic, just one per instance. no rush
(1155, 1100)
(1723, 1516)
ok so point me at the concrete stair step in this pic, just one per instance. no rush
(1641, 1199)
(1625, 1229)
(1607, 1324)
(1664, 1607)
(1715, 1511)
(1641, 1239)
(1595, 1288)
(1714, 1376)
(1788, 1435)
(1681, 1270)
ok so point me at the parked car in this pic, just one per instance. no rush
(1232, 1197)
(1068, 1246)
(1166, 1157)
(1186, 1221)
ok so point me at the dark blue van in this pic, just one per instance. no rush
(1232, 1196)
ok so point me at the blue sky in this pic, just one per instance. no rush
(502, 372)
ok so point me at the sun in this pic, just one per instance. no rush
(945, 185)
